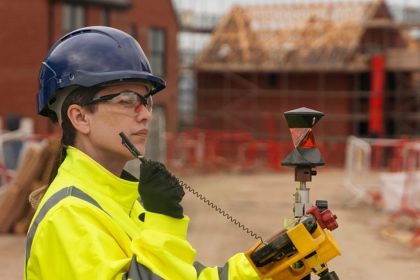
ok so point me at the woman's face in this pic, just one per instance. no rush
(119, 109)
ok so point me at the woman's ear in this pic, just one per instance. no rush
(79, 118)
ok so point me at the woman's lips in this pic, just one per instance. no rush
(142, 133)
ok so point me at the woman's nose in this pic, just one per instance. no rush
(142, 113)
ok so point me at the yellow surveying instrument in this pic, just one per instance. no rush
(306, 244)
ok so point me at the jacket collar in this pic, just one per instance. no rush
(96, 179)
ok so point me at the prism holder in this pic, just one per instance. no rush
(305, 156)
(300, 122)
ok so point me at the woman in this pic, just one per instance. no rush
(96, 221)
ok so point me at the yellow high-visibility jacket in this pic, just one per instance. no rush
(91, 225)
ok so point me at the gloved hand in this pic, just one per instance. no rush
(160, 191)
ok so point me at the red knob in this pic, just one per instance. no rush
(325, 219)
(329, 219)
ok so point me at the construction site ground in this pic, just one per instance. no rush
(372, 248)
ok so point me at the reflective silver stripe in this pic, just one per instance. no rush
(199, 268)
(222, 271)
(51, 202)
(138, 271)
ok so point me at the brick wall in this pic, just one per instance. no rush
(226, 101)
(25, 39)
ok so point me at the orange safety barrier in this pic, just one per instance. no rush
(215, 150)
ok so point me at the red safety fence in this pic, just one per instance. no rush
(208, 150)
(213, 150)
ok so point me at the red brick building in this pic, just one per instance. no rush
(30, 27)
(264, 60)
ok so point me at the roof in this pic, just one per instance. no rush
(291, 36)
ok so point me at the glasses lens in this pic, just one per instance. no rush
(134, 99)
(146, 101)
(129, 99)
(126, 98)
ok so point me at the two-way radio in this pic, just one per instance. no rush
(136, 153)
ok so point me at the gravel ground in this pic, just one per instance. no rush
(261, 201)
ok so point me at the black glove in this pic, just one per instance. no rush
(160, 191)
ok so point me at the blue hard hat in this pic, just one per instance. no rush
(92, 56)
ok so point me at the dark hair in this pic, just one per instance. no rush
(79, 96)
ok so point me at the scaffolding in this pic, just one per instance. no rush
(253, 48)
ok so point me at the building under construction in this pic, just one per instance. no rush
(350, 60)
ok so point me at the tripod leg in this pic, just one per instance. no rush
(329, 276)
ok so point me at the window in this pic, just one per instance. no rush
(270, 80)
(106, 16)
(73, 17)
(157, 48)
(156, 143)
(133, 31)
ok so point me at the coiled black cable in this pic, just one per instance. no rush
(130, 146)
(216, 208)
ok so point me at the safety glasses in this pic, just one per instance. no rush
(126, 98)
